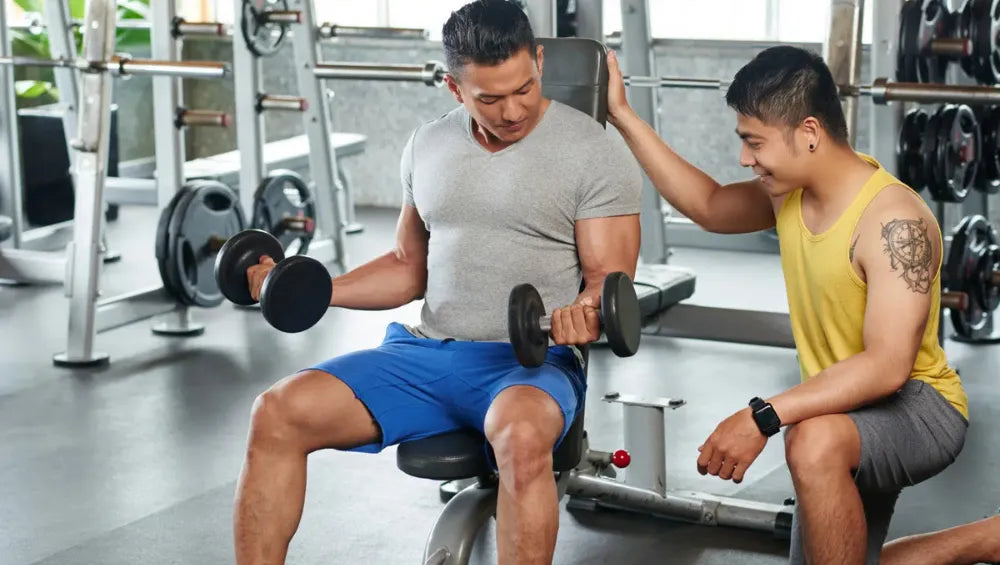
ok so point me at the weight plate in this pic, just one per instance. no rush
(263, 39)
(987, 291)
(971, 240)
(986, 26)
(212, 215)
(929, 154)
(958, 150)
(965, 30)
(173, 227)
(909, 145)
(283, 195)
(296, 294)
(906, 58)
(238, 254)
(162, 244)
(989, 162)
(935, 22)
(524, 308)
(620, 314)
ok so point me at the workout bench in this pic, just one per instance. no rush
(576, 74)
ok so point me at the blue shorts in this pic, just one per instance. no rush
(416, 387)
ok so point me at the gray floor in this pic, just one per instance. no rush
(136, 463)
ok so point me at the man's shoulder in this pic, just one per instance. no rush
(450, 121)
(575, 124)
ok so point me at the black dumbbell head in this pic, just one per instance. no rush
(524, 311)
(238, 254)
(620, 314)
(296, 294)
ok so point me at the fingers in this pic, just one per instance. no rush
(705, 458)
(728, 466)
(256, 275)
(575, 325)
(613, 65)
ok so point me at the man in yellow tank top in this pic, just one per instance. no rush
(878, 409)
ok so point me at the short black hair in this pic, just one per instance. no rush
(486, 32)
(786, 85)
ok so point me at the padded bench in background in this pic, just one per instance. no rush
(291, 153)
(661, 286)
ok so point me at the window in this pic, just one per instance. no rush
(343, 12)
(426, 14)
(796, 20)
(809, 20)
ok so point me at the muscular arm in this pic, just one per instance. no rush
(606, 245)
(392, 280)
(898, 250)
(735, 208)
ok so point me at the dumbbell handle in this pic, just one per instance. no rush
(951, 47)
(545, 322)
(298, 224)
(953, 300)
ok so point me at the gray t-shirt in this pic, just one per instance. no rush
(500, 219)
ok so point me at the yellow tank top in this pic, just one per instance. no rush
(826, 297)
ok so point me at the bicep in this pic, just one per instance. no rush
(900, 263)
(411, 236)
(607, 245)
(742, 207)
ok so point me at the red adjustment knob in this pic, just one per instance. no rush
(621, 459)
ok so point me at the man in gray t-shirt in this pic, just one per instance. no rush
(508, 188)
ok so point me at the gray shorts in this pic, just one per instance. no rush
(905, 439)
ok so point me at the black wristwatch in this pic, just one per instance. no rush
(764, 415)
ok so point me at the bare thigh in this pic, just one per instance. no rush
(318, 411)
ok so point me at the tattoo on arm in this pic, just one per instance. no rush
(909, 250)
(853, 245)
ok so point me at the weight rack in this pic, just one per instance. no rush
(98, 65)
(251, 103)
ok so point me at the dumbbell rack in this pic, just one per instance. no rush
(328, 244)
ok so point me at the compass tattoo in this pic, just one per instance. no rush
(909, 250)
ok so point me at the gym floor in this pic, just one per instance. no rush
(137, 463)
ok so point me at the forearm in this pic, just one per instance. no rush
(845, 386)
(382, 284)
(684, 186)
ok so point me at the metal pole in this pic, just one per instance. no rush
(11, 187)
(169, 141)
(638, 61)
(431, 73)
(590, 19)
(249, 122)
(63, 46)
(322, 154)
(89, 174)
(885, 120)
(883, 91)
(842, 52)
(542, 16)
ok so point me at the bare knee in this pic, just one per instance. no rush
(818, 447)
(280, 415)
(523, 454)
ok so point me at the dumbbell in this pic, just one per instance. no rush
(528, 325)
(295, 294)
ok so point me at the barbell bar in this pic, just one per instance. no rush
(431, 73)
(329, 31)
(124, 66)
(881, 91)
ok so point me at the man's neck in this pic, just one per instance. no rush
(838, 178)
(492, 143)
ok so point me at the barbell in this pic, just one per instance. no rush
(881, 90)
(124, 66)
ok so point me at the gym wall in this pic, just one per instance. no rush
(697, 123)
